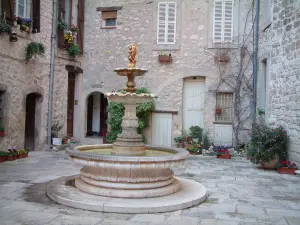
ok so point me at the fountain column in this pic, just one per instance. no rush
(129, 142)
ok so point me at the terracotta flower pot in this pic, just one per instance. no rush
(165, 58)
(10, 158)
(286, 170)
(180, 145)
(2, 134)
(271, 165)
(218, 111)
(224, 156)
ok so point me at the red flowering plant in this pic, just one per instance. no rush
(74, 28)
(287, 164)
(266, 143)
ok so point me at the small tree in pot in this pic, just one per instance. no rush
(56, 127)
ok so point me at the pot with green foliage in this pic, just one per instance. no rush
(179, 142)
(56, 127)
(196, 133)
(268, 145)
(4, 28)
(2, 131)
(74, 50)
(32, 49)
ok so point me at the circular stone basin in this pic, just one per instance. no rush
(127, 176)
(130, 71)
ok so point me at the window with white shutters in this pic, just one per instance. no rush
(223, 21)
(166, 23)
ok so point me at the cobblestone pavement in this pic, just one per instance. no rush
(239, 194)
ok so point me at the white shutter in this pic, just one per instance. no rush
(166, 25)
(228, 21)
(217, 21)
(223, 21)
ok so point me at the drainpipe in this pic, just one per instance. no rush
(52, 59)
(255, 58)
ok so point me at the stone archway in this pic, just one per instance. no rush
(96, 114)
(32, 105)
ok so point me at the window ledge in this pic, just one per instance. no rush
(166, 47)
(165, 111)
(222, 122)
(222, 45)
(108, 27)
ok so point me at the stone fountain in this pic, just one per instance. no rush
(127, 176)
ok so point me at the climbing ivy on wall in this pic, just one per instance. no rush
(116, 111)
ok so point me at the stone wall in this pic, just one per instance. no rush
(280, 45)
(106, 49)
(20, 79)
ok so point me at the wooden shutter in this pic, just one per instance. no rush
(61, 15)
(109, 14)
(8, 6)
(36, 12)
(80, 24)
(223, 21)
(166, 25)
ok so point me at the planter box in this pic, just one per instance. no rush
(286, 170)
(225, 156)
(2, 134)
(10, 157)
(222, 59)
(2, 158)
(163, 58)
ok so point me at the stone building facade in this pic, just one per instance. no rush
(279, 73)
(24, 87)
(186, 85)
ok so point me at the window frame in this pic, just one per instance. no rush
(217, 118)
(16, 9)
(222, 22)
(103, 20)
(166, 24)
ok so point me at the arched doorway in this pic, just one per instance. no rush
(32, 120)
(96, 114)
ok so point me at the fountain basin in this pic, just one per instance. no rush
(121, 176)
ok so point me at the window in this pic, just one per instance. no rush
(223, 21)
(266, 13)
(166, 23)
(225, 103)
(263, 83)
(20, 8)
(109, 19)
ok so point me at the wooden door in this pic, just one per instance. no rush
(30, 121)
(223, 134)
(71, 93)
(162, 129)
(89, 117)
(103, 114)
(193, 103)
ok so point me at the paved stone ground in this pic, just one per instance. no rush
(238, 195)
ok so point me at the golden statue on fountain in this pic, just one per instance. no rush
(132, 56)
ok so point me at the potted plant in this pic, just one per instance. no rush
(26, 151)
(66, 140)
(11, 155)
(268, 145)
(223, 154)
(34, 48)
(4, 28)
(74, 50)
(2, 156)
(179, 141)
(2, 134)
(286, 167)
(195, 149)
(165, 57)
(223, 58)
(218, 110)
(196, 133)
(25, 24)
(56, 127)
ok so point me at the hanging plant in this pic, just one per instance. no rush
(61, 25)
(74, 50)
(34, 48)
(4, 28)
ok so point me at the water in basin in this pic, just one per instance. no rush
(107, 151)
